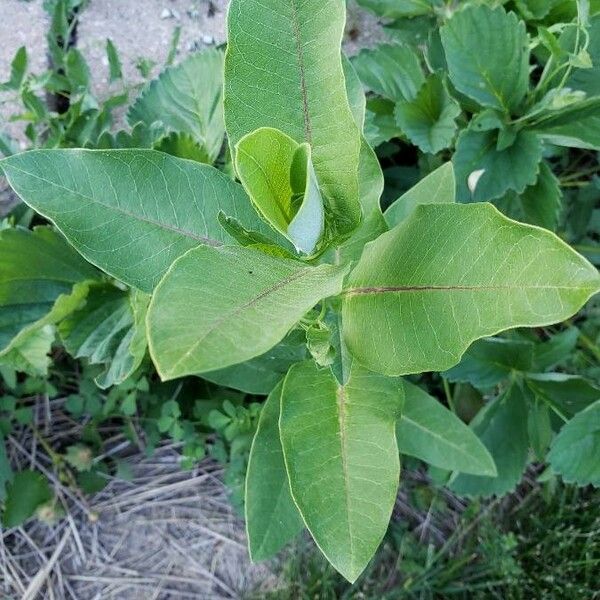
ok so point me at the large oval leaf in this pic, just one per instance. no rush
(272, 518)
(221, 306)
(453, 273)
(130, 212)
(342, 459)
(293, 49)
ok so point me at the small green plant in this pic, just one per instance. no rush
(295, 284)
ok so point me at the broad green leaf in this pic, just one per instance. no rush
(130, 212)
(105, 332)
(261, 374)
(557, 349)
(576, 126)
(507, 413)
(40, 281)
(453, 273)
(380, 123)
(487, 362)
(438, 187)
(487, 51)
(575, 450)
(30, 353)
(429, 120)
(539, 427)
(569, 394)
(213, 324)
(279, 177)
(187, 98)
(429, 431)
(395, 9)
(391, 70)
(272, 518)
(26, 492)
(513, 168)
(542, 202)
(342, 460)
(293, 49)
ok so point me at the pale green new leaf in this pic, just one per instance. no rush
(575, 451)
(513, 168)
(502, 427)
(429, 120)
(130, 212)
(272, 518)
(41, 281)
(453, 273)
(30, 354)
(217, 307)
(429, 431)
(283, 69)
(391, 70)
(342, 459)
(487, 51)
(188, 99)
(279, 177)
(438, 187)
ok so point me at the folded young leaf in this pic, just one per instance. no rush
(199, 321)
(438, 187)
(429, 431)
(41, 281)
(302, 90)
(507, 413)
(279, 177)
(272, 519)
(197, 85)
(575, 450)
(487, 362)
(453, 273)
(429, 120)
(487, 50)
(130, 212)
(390, 70)
(342, 460)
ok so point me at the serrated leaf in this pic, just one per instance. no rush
(40, 281)
(487, 51)
(429, 431)
(487, 362)
(513, 168)
(507, 413)
(213, 326)
(542, 202)
(342, 460)
(279, 177)
(391, 70)
(18, 70)
(395, 9)
(569, 394)
(302, 89)
(131, 212)
(272, 518)
(576, 126)
(439, 187)
(575, 450)
(25, 493)
(105, 332)
(429, 121)
(453, 273)
(188, 99)
(557, 349)
(260, 375)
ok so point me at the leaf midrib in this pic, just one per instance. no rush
(118, 209)
(449, 288)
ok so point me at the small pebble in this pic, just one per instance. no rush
(208, 39)
(166, 14)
